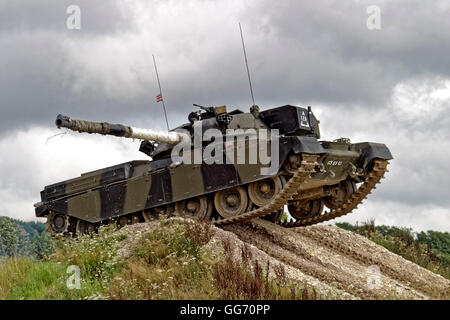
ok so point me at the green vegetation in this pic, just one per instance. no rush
(9, 239)
(167, 263)
(27, 278)
(430, 249)
(24, 239)
(247, 279)
(173, 261)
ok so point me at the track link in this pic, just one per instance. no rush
(307, 167)
(374, 177)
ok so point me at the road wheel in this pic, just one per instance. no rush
(150, 215)
(292, 163)
(199, 208)
(85, 227)
(263, 191)
(274, 216)
(305, 208)
(346, 189)
(231, 202)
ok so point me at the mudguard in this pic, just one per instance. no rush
(307, 144)
(372, 150)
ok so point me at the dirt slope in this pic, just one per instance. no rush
(337, 262)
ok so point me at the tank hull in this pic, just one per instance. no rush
(137, 186)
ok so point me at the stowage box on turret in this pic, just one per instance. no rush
(228, 167)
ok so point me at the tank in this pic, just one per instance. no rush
(226, 167)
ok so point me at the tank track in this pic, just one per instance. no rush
(308, 164)
(303, 173)
(374, 177)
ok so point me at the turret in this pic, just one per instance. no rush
(288, 120)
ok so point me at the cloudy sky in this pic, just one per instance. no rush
(389, 85)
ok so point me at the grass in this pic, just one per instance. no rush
(248, 279)
(414, 253)
(170, 262)
(25, 278)
(96, 255)
(403, 242)
(11, 272)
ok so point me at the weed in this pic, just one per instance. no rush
(200, 232)
(247, 279)
(168, 263)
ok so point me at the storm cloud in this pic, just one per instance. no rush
(390, 85)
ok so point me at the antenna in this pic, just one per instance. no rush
(160, 97)
(246, 64)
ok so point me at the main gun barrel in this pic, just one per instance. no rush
(119, 130)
